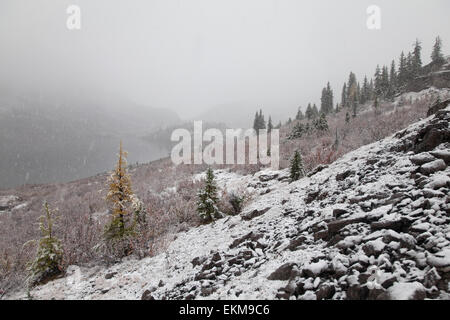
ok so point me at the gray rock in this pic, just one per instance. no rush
(284, 272)
(325, 291)
(432, 167)
(147, 295)
(254, 213)
(422, 158)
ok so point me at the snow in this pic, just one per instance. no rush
(289, 217)
(405, 291)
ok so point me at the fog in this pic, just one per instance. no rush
(193, 55)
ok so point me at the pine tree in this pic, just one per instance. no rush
(48, 260)
(378, 83)
(402, 73)
(392, 81)
(296, 169)
(299, 115)
(309, 112)
(347, 117)
(365, 91)
(344, 96)
(207, 199)
(269, 125)
(409, 68)
(385, 82)
(417, 59)
(315, 111)
(352, 89)
(326, 101)
(255, 122)
(259, 122)
(121, 198)
(322, 123)
(437, 56)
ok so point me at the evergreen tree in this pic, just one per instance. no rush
(402, 73)
(326, 101)
(207, 199)
(437, 56)
(297, 170)
(417, 59)
(49, 256)
(344, 96)
(255, 122)
(322, 123)
(347, 117)
(352, 89)
(378, 83)
(315, 111)
(392, 81)
(299, 115)
(309, 112)
(365, 92)
(121, 198)
(409, 68)
(371, 89)
(384, 82)
(259, 122)
(269, 125)
(262, 122)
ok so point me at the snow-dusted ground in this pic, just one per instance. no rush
(374, 224)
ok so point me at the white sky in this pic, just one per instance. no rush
(192, 55)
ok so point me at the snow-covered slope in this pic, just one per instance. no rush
(372, 225)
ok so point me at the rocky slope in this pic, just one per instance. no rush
(372, 225)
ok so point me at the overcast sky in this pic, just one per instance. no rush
(191, 55)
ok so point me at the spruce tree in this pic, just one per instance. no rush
(352, 89)
(384, 82)
(322, 123)
(315, 111)
(365, 91)
(299, 115)
(347, 117)
(402, 72)
(49, 256)
(392, 81)
(296, 169)
(409, 68)
(120, 198)
(207, 199)
(417, 59)
(309, 112)
(269, 125)
(344, 96)
(378, 82)
(437, 56)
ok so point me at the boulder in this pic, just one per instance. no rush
(254, 213)
(422, 158)
(284, 272)
(147, 295)
(407, 291)
(433, 166)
